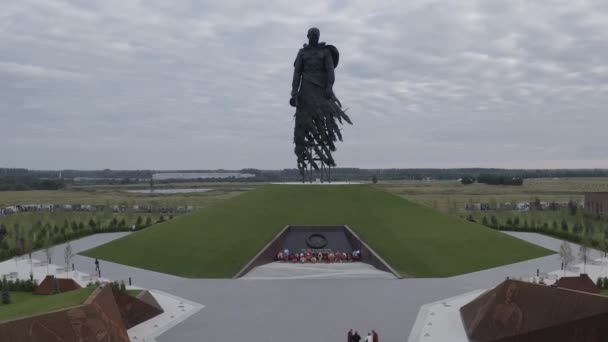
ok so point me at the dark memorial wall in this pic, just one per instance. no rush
(295, 241)
(517, 311)
(294, 238)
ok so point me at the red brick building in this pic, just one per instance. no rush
(596, 203)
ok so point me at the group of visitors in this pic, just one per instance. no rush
(318, 255)
(355, 337)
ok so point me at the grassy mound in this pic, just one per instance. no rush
(218, 241)
(27, 304)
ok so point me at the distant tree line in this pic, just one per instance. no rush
(23, 179)
(12, 183)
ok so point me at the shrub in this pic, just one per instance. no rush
(6, 295)
(485, 222)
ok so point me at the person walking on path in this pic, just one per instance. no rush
(97, 269)
(349, 336)
(356, 337)
(375, 336)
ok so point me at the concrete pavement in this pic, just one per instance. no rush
(305, 309)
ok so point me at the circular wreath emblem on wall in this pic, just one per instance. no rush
(316, 241)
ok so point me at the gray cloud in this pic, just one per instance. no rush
(190, 84)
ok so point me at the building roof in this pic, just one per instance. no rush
(580, 283)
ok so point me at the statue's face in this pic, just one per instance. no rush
(313, 35)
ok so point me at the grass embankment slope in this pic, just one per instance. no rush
(27, 304)
(218, 241)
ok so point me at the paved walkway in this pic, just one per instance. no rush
(305, 309)
(351, 270)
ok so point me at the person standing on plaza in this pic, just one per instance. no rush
(356, 337)
(369, 338)
(375, 336)
(349, 336)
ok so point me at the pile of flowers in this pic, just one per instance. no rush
(318, 255)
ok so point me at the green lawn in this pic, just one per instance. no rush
(26, 304)
(218, 241)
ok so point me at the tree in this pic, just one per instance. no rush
(48, 252)
(536, 205)
(56, 289)
(565, 227)
(67, 255)
(583, 253)
(565, 254)
(589, 228)
(374, 179)
(494, 221)
(555, 226)
(123, 286)
(139, 221)
(600, 283)
(3, 232)
(577, 228)
(572, 207)
(6, 295)
(92, 224)
(148, 221)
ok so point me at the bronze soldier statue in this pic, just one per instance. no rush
(318, 111)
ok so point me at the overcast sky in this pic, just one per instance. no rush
(205, 84)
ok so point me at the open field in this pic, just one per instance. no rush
(61, 222)
(450, 196)
(416, 240)
(26, 304)
(117, 195)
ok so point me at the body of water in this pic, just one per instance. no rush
(167, 191)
